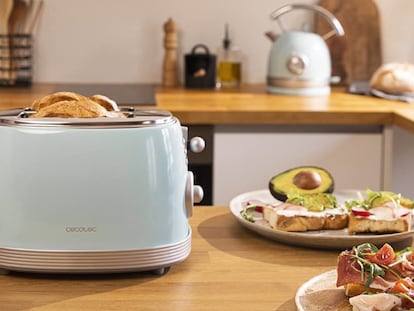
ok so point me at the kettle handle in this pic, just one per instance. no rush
(332, 20)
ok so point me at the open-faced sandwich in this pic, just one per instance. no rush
(380, 212)
(300, 213)
(377, 279)
(306, 202)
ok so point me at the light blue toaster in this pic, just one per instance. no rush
(94, 195)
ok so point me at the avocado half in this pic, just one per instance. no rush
(301, 180)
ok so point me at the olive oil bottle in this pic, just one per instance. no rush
(229, 63)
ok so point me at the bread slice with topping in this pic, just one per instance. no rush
(295, 218)
(384, 219)
(380, 212)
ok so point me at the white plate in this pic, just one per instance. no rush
(334, 239)
(321, 293)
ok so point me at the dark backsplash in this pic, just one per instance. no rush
(123, 94)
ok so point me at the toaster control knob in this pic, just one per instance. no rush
(296, 64)
(193, 194)
(197, 144)
(198, 194)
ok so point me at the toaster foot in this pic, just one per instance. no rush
(160, 271)
(4, 271)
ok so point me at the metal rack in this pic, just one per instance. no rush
(16, 60)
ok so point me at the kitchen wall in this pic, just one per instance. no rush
(122, 40)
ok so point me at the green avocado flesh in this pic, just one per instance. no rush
(301, 180)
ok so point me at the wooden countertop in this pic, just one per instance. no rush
(250, 104)
(229, 268)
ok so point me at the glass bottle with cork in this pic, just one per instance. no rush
(229, 63)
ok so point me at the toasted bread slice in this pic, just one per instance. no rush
(72, 109)
(298, 219)
(335, 221)
(358, 224)
(105, 102)
(354, 289)
(298, 223)
(54, 98)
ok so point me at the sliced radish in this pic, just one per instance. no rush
(259, 208)
(361, 212)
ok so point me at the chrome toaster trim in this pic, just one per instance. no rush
(133, 118)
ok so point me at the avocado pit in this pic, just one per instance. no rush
(307, 180)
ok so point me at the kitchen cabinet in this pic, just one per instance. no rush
(402, 162)
(246, 157)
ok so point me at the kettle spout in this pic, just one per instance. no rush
(271, 35)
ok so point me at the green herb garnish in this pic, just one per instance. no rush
(367, 268)
(378, 198)
(246, 212)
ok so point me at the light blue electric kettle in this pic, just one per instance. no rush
(299, 61)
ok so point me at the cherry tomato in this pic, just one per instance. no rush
(403, 286)
(384, 256)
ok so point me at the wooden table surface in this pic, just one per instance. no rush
(250, 104)
(229, 268)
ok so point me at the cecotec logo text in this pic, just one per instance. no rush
(80, 229)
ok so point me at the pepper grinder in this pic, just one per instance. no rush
(169, 75)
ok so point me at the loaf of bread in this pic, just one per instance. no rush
(394, 78)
